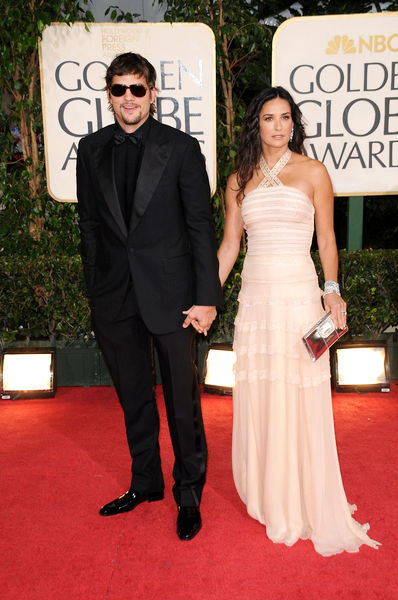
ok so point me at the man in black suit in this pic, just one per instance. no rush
(149, 255)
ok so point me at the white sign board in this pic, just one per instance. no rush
(343, 72)
(73, 62)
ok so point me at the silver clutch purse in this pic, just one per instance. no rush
(321, 336)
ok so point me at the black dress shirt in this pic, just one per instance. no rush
(128, 157)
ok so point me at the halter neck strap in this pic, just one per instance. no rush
(271, 175)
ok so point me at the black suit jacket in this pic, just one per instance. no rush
(169, 248)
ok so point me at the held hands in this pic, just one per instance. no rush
(337, 307)
(200, 317)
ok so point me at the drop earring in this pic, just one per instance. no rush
(291, 134)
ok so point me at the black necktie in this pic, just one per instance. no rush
(119, 137)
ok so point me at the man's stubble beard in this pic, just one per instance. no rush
(133, 119)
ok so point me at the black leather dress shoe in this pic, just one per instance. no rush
(189, 522)
(129, 501)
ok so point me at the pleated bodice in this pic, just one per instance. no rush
(278, 220)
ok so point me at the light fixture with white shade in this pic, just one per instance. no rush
(219, 375)
(27, 373)
(361, 366)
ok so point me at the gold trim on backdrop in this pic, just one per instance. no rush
(44, 112)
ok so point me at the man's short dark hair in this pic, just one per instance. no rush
(129, 62)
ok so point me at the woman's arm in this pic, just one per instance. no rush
(233, 229)
(323, 203)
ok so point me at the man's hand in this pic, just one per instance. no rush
(200, 317)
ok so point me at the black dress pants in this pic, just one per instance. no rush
(127, 348)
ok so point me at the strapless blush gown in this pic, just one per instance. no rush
(285, 462)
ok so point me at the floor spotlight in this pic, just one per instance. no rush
(361, 366)
(219, 369)
(27, 373)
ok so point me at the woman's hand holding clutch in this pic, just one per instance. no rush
(338, 309)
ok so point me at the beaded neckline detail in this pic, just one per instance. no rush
(271, 175)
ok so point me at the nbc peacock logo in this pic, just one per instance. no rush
(341, 43)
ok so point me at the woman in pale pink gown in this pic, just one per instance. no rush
(284, 456)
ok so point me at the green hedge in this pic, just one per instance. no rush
(43, 298)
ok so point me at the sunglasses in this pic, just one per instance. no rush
(119, 89)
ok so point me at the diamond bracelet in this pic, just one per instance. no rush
(330, 287)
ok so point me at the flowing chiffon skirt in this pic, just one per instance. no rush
(284, 455)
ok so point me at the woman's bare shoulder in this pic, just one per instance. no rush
(310, 166)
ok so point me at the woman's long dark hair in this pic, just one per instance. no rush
(249, 151)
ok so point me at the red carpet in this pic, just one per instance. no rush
(64, 457)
